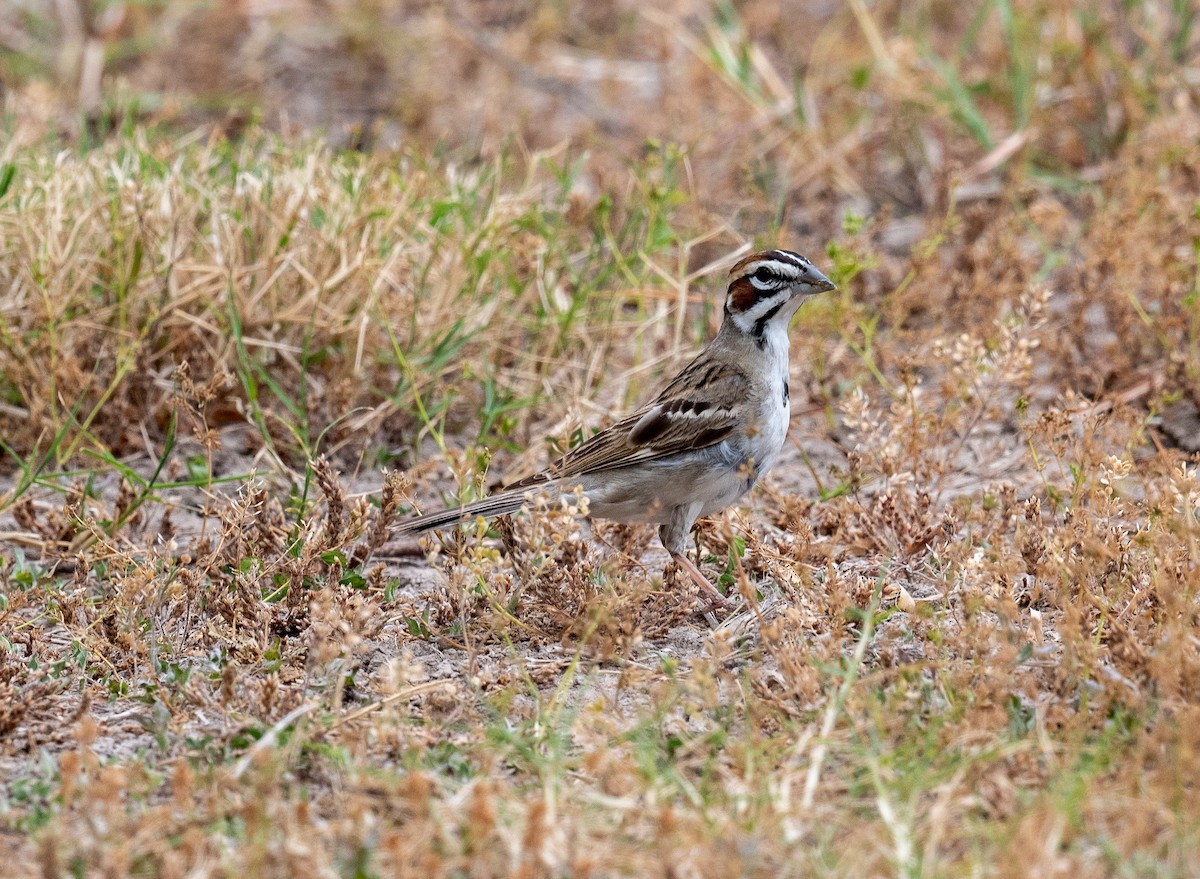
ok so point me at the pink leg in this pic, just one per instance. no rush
(718, 600)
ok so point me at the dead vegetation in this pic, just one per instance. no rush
(229, 360)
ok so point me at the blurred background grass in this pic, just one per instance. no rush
(859, 101)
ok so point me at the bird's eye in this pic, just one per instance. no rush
(763, 274)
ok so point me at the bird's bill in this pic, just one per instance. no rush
(812, 282)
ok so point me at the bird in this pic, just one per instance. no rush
(703, 442)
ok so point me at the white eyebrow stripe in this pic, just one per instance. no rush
(783, 268)
(788, 257)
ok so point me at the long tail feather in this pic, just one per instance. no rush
(496, 505)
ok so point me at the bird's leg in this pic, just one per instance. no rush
(673, 534)
(718, 600)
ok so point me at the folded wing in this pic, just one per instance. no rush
(691, 413)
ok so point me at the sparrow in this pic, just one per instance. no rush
(704, 441)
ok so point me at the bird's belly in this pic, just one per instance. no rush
(713, 478)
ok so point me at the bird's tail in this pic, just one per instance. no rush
(496, 505)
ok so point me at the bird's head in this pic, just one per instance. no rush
(766, 288)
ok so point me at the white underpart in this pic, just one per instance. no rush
(775, 413)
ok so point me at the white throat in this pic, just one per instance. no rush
(767, 321)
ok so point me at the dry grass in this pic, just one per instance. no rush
(227, 364)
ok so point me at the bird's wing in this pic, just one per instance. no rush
(699, 408)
